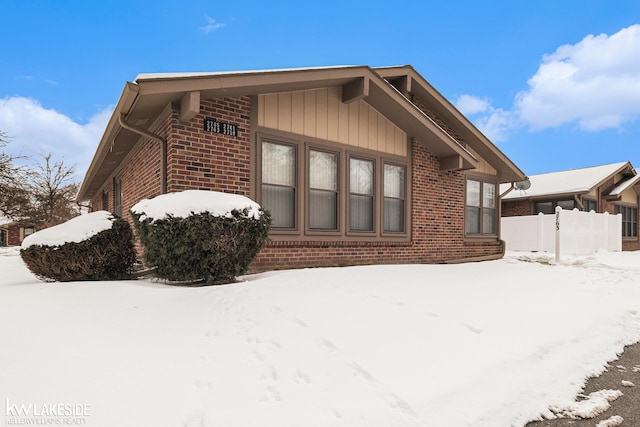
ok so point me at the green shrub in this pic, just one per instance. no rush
(202, 247)
(107, 255)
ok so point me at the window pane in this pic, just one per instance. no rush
(361, 212)
(323, 170)
(488, 195)
(323, 210)
(544, 207)
(361, 176)
(590, 205)
(473, 193)
(280, 201)
(567, 204)
(393, 215)
(472, 220)
(394, 181)
(278, 164)
(488, 221)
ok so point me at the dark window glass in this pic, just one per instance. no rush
(590, 205)
(117, 197)
(629, 220)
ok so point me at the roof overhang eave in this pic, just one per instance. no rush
(124, 104)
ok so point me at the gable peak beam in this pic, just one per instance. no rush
(189, 106)
(453, 163)
(355, 90)
(402, 83)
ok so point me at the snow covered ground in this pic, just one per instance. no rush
(484, 344)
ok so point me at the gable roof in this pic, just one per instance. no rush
(409, 80)
(143, 100)
(569, 182)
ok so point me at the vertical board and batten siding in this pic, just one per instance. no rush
(483, 166)
(320, 113)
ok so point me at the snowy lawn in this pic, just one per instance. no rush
(484, 344)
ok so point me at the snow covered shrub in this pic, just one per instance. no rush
(198, 235)
(96, 246)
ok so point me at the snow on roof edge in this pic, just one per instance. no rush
(580, 180)
(178, 75)
(624, 185)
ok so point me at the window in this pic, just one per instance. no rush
(549, 207)
(629, 220)
(361, 195)
(394, 188)
(279, 183)
(117, 196)
(480, 212)
(105, 200)
(329, 191)
(28, 231)
(323, 190)
(589, 205)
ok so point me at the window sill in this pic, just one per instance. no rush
(480, 238)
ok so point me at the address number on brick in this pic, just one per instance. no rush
(213, 125)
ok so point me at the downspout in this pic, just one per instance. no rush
(163, 148)
(508, 190)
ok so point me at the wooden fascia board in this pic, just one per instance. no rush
(124, 104)
(252, 83)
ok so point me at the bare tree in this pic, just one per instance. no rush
(53, 191)
(13, 182)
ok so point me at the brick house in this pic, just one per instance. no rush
(357, 165)
(12, 233)
(613, 188)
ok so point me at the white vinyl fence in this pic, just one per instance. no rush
(567, 232)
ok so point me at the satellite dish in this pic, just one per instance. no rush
(522, 185)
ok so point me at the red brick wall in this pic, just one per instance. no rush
(516, 208)
(13, 235)
(209, 161)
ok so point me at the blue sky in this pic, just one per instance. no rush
(555, 84)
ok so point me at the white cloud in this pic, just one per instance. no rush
(212, 25)
(497, 125)
(469, 104)
(34, 129)
(594, 83)
(494, 123)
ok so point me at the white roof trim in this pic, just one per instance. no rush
(153, 76)
(624, 185)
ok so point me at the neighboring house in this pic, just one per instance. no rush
(357, 165)
(12, 233)
(613, 188)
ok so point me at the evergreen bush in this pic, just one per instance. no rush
(107, 255)
(202, 247)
